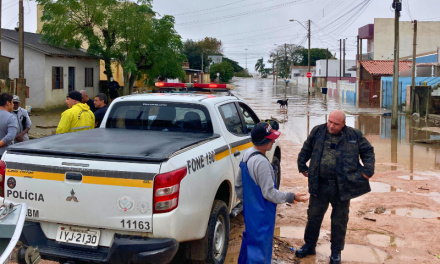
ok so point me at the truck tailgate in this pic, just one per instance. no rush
(82, 192)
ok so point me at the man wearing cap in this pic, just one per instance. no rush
(335, 176)
(78, 117)
(256, 188)
(24, 122)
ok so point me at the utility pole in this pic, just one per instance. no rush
(360, 50)
(343, 66)
(246, 59)
(357, 47)
(413, 83)
(202, 77)
(394, 113)
(273, 69)
(326, 68)
(285, 70)
(0, 27)
(21, 82)
(340, 59)
(309, 56)
(276, 79)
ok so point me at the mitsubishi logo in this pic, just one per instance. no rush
(72, 196)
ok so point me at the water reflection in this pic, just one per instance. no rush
(357, 253)
(384, 240)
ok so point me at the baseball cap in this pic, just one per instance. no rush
(263, 133)
(15, 99)
(75, 95)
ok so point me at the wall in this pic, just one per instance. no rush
(58, 96)
(427, 38)
(404, 82)
(33, 71)
(347, 92)
(333, 68)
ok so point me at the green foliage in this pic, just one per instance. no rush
(193, 51)
(244, 74)
(315, 54)
(259, 66)
(237, 68)
(265, 72)
(124, 31)
(225, 69)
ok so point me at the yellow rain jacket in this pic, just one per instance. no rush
(77, 118)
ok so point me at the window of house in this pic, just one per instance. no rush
(297, 74)
(88, 77)
(57, 78)
(232, 119)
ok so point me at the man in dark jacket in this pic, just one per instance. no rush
(101, 106)
(86, 100)
(113, 87)
(335, 176)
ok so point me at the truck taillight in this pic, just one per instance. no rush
(2, 178)
(166, 190)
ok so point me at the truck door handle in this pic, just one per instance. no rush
(236, 153)
(74, 176)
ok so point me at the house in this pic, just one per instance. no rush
(50, 72)
(369, 79)
(380, 40)
(334, 68)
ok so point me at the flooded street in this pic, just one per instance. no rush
(405, 188)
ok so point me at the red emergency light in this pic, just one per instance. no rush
(162, 84)
(210, 85)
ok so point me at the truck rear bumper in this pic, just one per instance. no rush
(124, 248)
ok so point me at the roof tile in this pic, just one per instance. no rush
(384, 67)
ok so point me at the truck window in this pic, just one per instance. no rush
(160, 116)
(250, 118)
(232, 118)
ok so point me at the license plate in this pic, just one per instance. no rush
(78, 235)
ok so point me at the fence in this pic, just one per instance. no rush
(387, 89)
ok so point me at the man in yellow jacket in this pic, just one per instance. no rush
(78, 117)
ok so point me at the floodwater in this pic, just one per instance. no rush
(296, 232)
(413, 213)
(395, 149)
(384, 240)
(379, 187)
(357, 253)
(413, 178)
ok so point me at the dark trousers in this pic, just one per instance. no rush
(327, 194)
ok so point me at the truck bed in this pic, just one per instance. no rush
(113, 144)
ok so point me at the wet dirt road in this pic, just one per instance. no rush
(405, 188)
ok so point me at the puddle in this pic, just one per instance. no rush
(379, 187)
(296, 232)
(357, 253)
(435, 196)
(413, 213)
(413, 178)
(384, 240)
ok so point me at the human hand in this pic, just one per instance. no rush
(301, 197)
(19, 138)
(365, 176)
(305, 173)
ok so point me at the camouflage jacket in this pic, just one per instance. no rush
(350, 147)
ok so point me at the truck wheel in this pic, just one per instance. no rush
(277, 167)
(218, 233)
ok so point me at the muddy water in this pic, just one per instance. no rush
(46, 122)
(413, 213)
(395, 149)
(357, 253)
(413, 178)
(379, 187)
(384, 240)
(296, 232)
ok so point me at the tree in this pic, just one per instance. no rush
(147, 46)
(286, 56)
(193, 51)
(265, 72)
(69, 23)
(259, 66)
(237, 68)
(315, 54)
(225, 69)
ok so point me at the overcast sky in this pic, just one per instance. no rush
(259, 25)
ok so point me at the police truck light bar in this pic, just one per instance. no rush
(162, 84)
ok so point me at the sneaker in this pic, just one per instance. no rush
(335, 257)
(305, 251)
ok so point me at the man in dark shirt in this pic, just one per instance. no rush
(101, 106)
(113, 87)
(86, 100)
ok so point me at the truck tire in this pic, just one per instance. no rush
(277, 168)
(218, 233)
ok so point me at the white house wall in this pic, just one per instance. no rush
(57, 97)
(333, 68)
(33, 71)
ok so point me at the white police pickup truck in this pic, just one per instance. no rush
(156, 178)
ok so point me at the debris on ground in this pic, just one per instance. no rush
(370, 219)
(36, 135)
(380, 210)
(423, 189)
